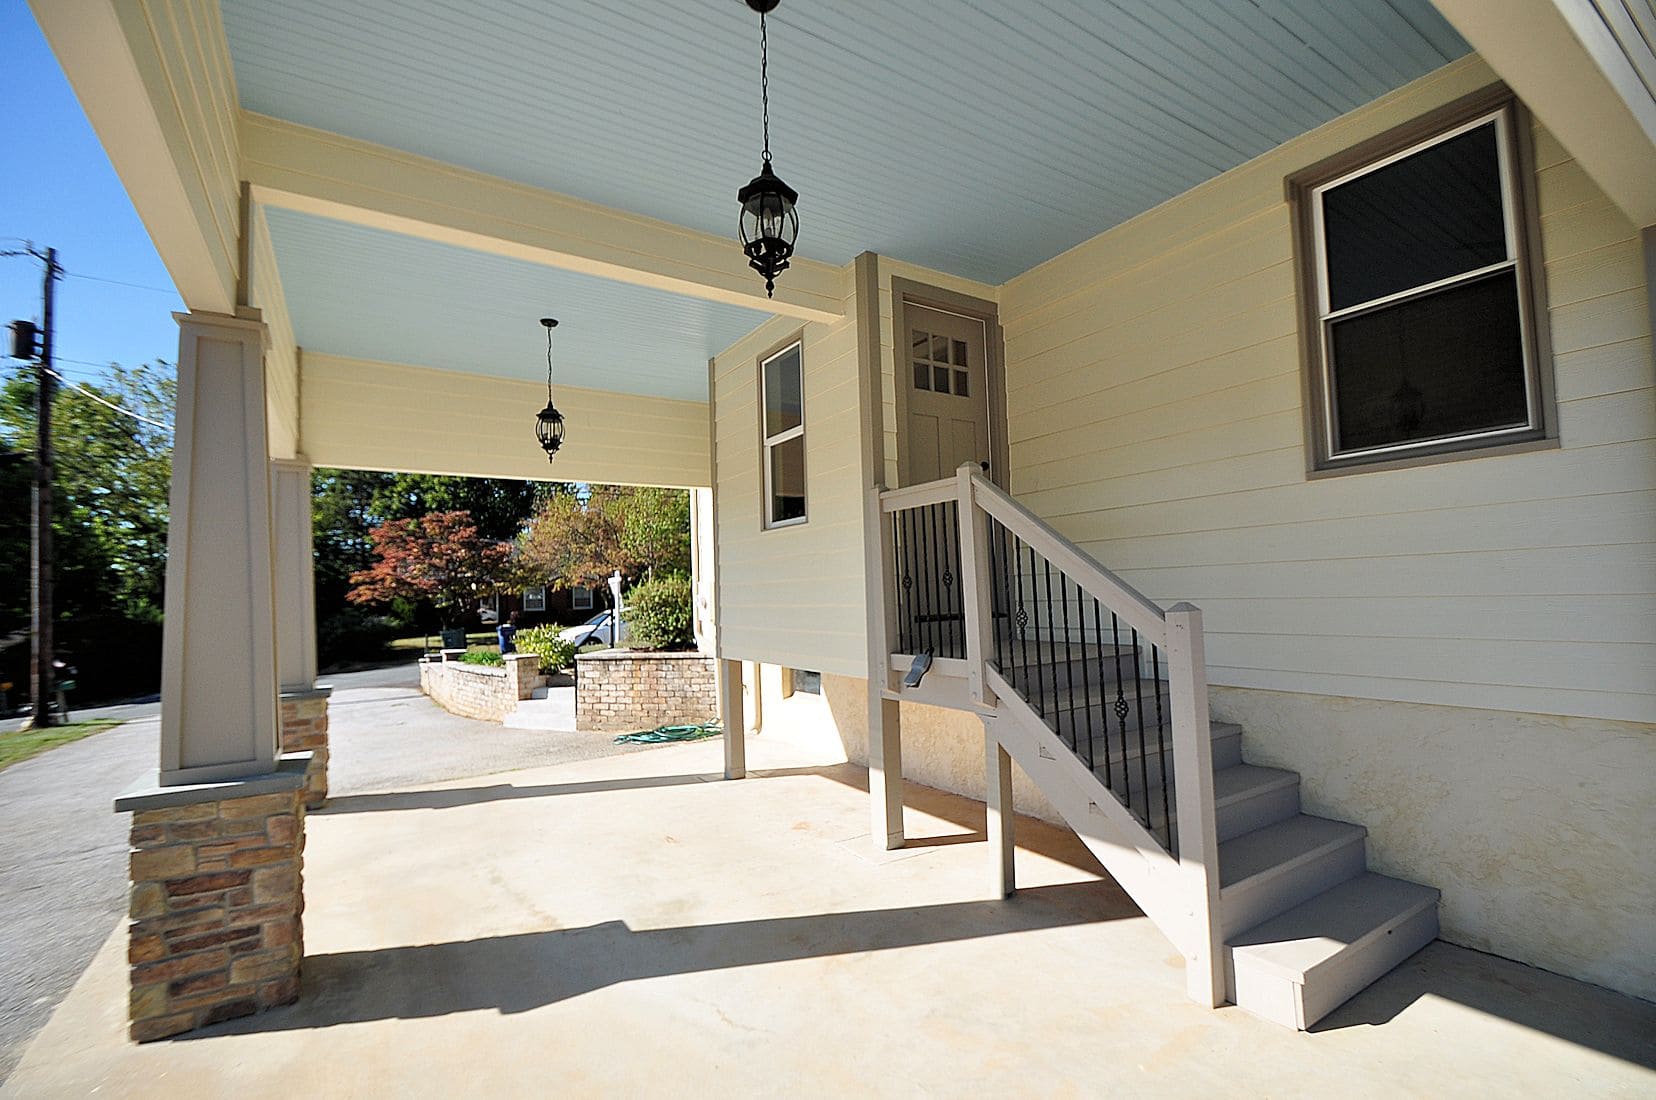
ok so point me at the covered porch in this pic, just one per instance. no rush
(503, 935)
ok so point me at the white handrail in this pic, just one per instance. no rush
(1116, 594)
(918, 496)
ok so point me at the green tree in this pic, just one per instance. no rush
(581, 538)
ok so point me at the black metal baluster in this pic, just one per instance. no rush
(1035, 629)
(1144, 762)
(1121, 709)
(1086, 681)
(954, 581)
(1067, 696)
(911, 568)
(1057, 703)
(1020, 619)
(1103, 708)
(933, 586)
(1161, 746)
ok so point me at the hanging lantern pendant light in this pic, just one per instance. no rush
(549, 422)
(769, 223)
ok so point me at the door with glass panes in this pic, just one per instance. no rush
(948, 394)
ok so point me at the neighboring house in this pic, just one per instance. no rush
(1333, 320)
(543, 604)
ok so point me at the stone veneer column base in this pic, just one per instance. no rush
(217, 899)
(305, 729)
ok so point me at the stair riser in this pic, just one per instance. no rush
(1247, 903)
(1227, 753)
(1270, 995)
(1257, 811)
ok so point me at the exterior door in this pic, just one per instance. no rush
(947, 376)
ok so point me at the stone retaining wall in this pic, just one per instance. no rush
(620, 690)
(216, 930)
(479, 691)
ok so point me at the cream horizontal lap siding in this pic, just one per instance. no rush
(792, 596)
(1155, 417)
(361, 414)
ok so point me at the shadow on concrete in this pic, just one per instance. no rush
(519, 973)
(1588, 1016)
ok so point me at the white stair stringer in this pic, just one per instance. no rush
(1134, 860)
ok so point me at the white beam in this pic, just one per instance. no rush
(1567, 64)
(153, 77)
(368, 415)
(333, 176)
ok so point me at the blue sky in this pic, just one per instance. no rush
(57, 188)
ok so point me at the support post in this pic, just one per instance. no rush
(1198, 835)
(885, 719)
(976, 594)
(218, 663)
(732, 719)
(997, 801)
(295, 579)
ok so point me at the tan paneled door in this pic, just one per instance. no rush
(947, 377)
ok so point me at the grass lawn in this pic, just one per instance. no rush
(417, 643)
(17, 747)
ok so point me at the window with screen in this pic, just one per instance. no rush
(782, 407)
(534, 599)
(1420, 310)
(580, 598)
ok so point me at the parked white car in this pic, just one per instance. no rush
(599, 628)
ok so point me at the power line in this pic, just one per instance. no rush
(109, 404)
(122, 282)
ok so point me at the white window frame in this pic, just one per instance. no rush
(534, 599)
(577, 593)
(767, 442)
(1521, 258)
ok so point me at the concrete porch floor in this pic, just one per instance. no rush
(635, 926)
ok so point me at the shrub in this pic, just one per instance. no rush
(488, 657)
(353, 634)
(660, 613)
(543, 641)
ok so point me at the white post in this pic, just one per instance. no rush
(885, 719)
(730, 717)
(218, 663)
(295, 575)
(997, 801)
(975, 587)
(702, 570)
(616, 625)
(1193, 773)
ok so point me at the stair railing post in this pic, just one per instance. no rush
(977, 600)
(885, 728)
(1193, 777)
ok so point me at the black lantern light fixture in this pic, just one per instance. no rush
(549, 422)
(769, 223)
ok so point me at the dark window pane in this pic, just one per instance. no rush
(784, 403)
(1428, 216)
(922, 376)
(962, 387)
(1445, 364)
(960, 353)
(922, 344)
(940, 379)
(940, 349)
(787, 480)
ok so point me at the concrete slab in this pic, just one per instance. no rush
(636, 926)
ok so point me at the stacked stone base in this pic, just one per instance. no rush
(216, 906)
(305, 729)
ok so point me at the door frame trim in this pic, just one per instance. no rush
(907, 292)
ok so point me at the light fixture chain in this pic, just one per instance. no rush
(549, 364)
(764, 81)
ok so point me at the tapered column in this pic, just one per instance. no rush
(997, 799)
(295, 581)
(218, 668)
(732, 719)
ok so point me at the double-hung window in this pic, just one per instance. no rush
(782, 429)
(1418, 294)
(580, 598)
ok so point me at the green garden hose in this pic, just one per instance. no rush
(663, 734)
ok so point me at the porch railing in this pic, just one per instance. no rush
(975, 577)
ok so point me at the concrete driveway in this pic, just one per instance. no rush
(63, 879)
(638, 927)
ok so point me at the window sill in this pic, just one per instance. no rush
(1548, 443)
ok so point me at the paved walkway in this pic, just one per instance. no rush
(63, 882)
(636, 926)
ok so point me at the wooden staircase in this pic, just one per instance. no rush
(1101, 697)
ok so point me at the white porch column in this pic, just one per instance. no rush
(295, 581)
(218, 667)
(731, 718)
(997, 801)
(702, 571)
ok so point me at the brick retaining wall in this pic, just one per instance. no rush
(479, 691)
(620, 691)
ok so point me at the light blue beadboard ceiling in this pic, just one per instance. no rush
(974, 136)
(370, 294)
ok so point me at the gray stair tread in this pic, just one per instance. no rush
(1298, 941)
(1254, 853)
(1241, 780)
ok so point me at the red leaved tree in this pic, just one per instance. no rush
(438, 557)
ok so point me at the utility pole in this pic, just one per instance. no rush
(40, 573)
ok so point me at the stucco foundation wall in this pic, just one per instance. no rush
(1537, 829)
(941, 748)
